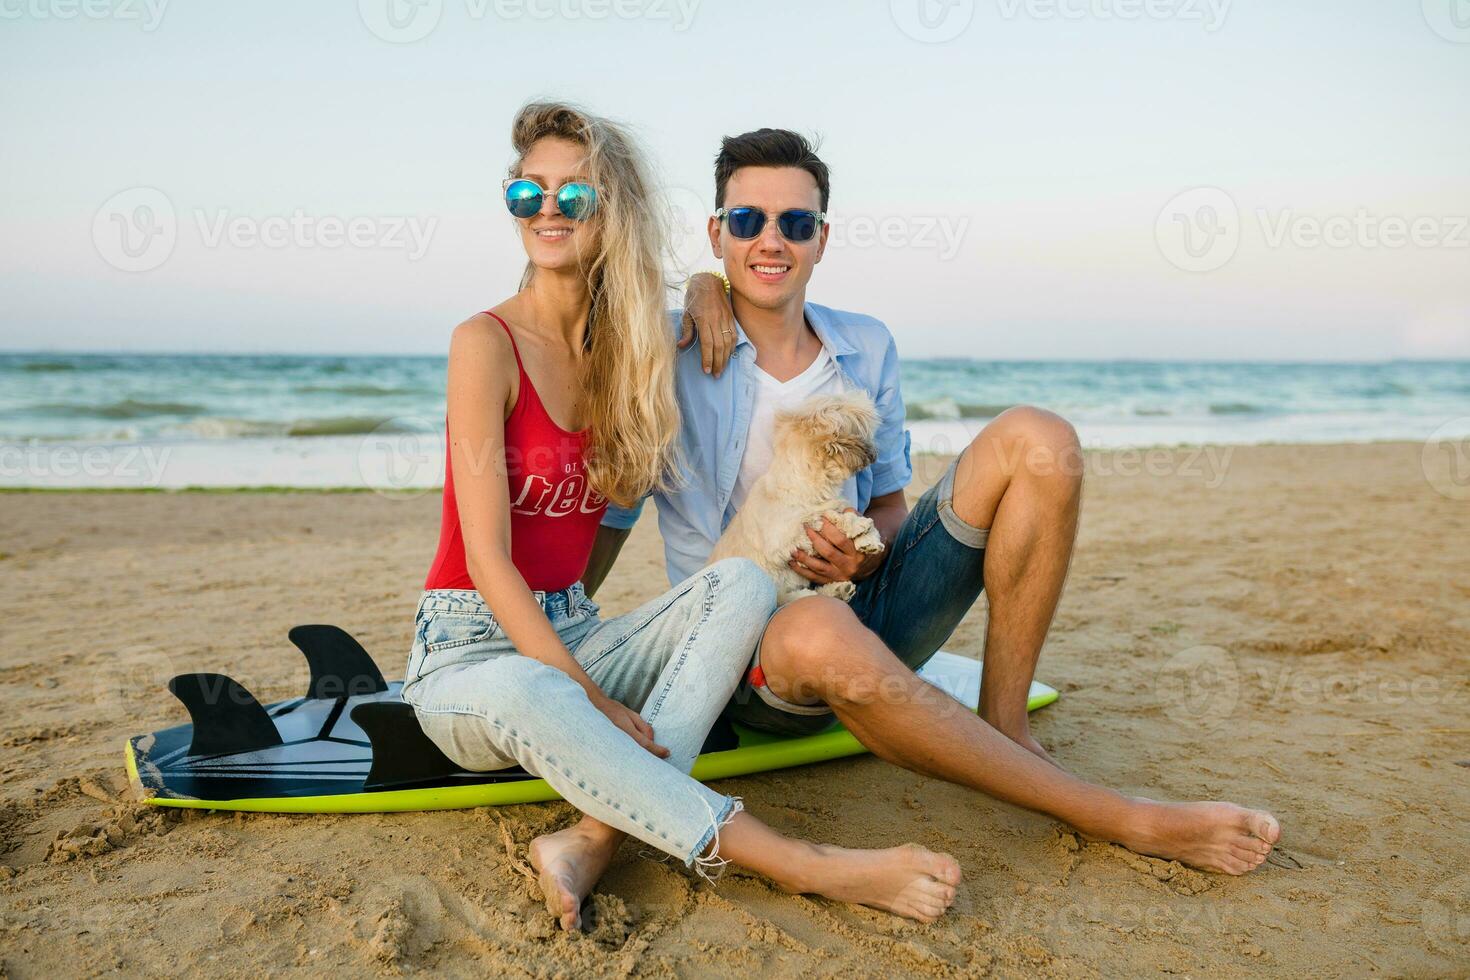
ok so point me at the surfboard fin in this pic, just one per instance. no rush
(340, 667)
(226, 717)
(403, 756)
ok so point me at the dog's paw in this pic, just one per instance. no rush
(862, 531)
(838, 590)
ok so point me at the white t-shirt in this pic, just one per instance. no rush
(771, 396)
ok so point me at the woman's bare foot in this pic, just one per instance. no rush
(570, 862)
(907, 880)
(1210, 836)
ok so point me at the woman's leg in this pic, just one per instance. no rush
(678, 658)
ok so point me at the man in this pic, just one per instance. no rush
(1002, 518)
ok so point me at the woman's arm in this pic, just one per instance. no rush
(707, 312)
(481, 369)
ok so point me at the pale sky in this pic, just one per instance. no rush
(1006, 173)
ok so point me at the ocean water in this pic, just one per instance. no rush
(287, 420)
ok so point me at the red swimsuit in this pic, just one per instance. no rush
(554, 513)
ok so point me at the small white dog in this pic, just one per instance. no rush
(818, 444)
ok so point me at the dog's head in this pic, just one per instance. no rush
(833, 431)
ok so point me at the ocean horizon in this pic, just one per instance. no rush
(113, 419)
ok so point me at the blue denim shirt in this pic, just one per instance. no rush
(716, 414)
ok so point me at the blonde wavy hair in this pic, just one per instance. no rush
(628, 374)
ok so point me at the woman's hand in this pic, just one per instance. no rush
(707, 313)
(631, 722)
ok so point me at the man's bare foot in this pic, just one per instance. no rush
(908, 880)
(1210, 836)
(570, 862)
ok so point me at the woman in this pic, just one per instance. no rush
(561, 398)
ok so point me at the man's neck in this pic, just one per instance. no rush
(784, 344)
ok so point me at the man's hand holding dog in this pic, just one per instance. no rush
(834, 557)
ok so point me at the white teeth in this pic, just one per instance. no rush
(772, 270)
(554, 233)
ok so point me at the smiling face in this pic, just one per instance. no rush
(768, 271)
(553, 241)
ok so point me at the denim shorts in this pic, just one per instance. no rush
(932, 574)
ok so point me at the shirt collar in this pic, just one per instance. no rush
(830, 338)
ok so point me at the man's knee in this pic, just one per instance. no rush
(816, 649)
(1035, 443)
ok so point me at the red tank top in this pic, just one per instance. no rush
(554, 513)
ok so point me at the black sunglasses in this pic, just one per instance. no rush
(795, 224)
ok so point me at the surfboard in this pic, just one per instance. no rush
(352, 745)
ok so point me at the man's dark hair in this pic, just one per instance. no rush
(769, 148)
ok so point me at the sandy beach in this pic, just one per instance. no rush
(1282, 626)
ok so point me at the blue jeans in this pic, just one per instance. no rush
(932, 573)
(677, 659)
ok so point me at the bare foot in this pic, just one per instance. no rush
(1210, 836)
(908, 880)
(570, 863)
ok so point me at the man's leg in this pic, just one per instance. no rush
(815, 649)
(1022, 478)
